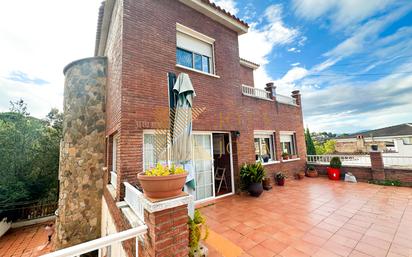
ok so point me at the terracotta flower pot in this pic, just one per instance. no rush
(267, 184)
(162, 186)
(300, 175)
(312, 173)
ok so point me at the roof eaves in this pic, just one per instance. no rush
(249, 64)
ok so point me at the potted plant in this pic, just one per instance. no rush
(162, 181)
(267, 185)
(311, 172)
(300, 175)
(252, 176)
(280, 178)
(285, 156)
(197, 228)
(334, 168)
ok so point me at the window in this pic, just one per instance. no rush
(288, 143)
(114, 153)
(155, 150)
(264, 147)
(407, 140)
(193, 60)
(194, 50)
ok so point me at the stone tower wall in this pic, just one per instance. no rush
(82, 152)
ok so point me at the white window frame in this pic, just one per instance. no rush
(203, 38)
(294, 142)
(272, 147)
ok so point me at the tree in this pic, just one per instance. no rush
(310, 147)
(29, 155)
(330, 146)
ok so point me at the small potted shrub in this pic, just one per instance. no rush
(285, 156)
(334, 168)
(280, 178)
(267, 185)
(162, 181)
(197, 229)
(311, 172)
(252, 176)
(300, 175)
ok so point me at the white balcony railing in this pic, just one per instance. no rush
(397, 161)
(255, 92)
(286, 99)
(134, 198)
(347, 160)
(113, 179)
(101, 243)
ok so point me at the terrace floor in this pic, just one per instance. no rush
(313, 217)
(26, 241)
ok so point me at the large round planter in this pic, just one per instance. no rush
(333, 173)
(255, 189)
(162, 186)
(280, 182)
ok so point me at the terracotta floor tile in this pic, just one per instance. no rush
(313, 239)
(336, 248)
(260, 251)
(306, 247)
(274, 245)
(292, 252)
(371, 250)
(245, 243)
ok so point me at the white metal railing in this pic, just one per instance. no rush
(286, 99)
(133, 197)
(347, 160)
(255, 92)
(397, 161)
(100, 243)
(113, 179)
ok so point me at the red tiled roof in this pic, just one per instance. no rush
(225, 12)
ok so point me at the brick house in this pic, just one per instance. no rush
(146, 44)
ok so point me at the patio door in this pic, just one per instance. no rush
(203, 166)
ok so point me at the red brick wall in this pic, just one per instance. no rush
(149, 53)
(246, 76)
(365, 173)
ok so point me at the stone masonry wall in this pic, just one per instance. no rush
(82, 153)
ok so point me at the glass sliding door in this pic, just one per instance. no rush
(203, 165)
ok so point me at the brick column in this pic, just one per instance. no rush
(296, 95)
(377, 167)
(168, 231)
(271, 88)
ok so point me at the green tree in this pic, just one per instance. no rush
(310, 147)
(330, 146)
(29, 155)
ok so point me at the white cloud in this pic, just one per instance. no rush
(39, 40)
(228, 5)
(341, 13)
(262, 38)
(287, 83)
(295, 64)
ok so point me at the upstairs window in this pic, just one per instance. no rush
(264, 147)
(194, 50)
(288, 143)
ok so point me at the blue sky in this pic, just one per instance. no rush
(351, 59)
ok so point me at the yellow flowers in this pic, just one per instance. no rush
(161, 170)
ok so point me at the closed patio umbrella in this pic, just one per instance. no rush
(182, 125)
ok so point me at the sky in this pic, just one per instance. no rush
(351, 59)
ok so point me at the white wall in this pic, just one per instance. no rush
(4, 226)
(108, 228)
(403, 150)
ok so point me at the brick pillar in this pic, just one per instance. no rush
(168, 232)
(377, 167)
(271, 88)
(297, 96)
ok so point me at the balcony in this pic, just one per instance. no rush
(265, 95)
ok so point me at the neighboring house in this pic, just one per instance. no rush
(394, 140)
(147, 44)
